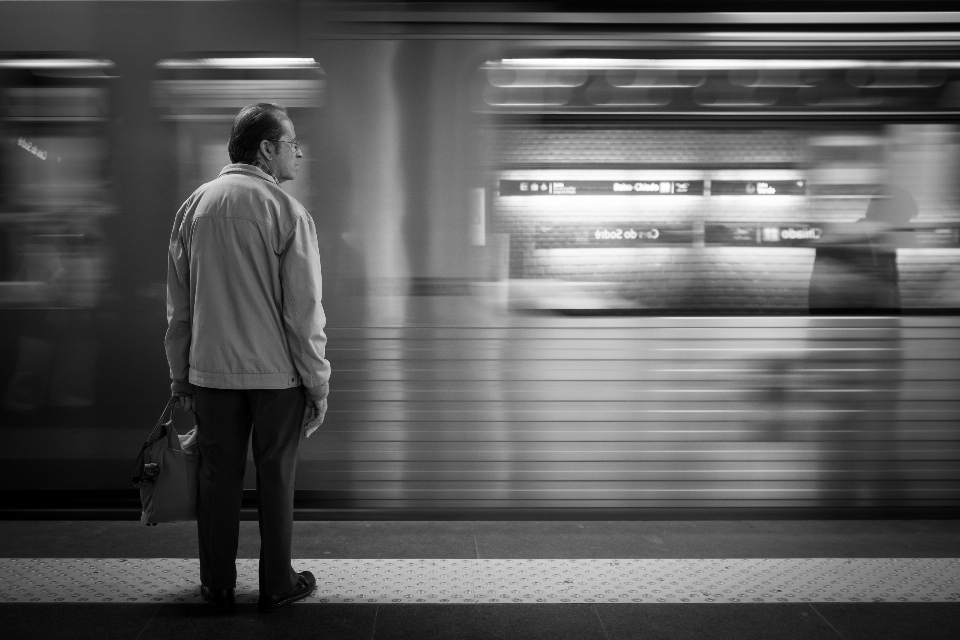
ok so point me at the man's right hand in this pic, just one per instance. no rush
(313, 415)
(185, 403)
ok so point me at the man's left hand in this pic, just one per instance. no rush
(313, 415)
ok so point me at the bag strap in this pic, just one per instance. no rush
(138, 465)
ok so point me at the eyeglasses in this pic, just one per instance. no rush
(295, 143)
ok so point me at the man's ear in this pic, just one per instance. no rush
(265, 148)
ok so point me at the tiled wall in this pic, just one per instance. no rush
(647, 146)
(721, 278)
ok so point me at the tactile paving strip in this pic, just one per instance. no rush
(735, 580)
(731, 580)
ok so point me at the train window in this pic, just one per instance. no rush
(55, 197)
(753, 186)
(200, 97)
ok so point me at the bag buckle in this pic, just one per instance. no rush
(150, 471)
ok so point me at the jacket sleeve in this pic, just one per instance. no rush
(179, 331)
(303, 316)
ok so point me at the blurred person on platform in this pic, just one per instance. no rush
(246, 347)
(856, 387)
(855, 267)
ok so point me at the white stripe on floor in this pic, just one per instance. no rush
(735, 580)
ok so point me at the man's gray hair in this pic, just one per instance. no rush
(255, 122)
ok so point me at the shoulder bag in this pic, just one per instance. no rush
(167, 471)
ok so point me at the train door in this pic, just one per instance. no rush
(56, 202)
(56, 196)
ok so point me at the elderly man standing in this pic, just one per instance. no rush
(245, 345)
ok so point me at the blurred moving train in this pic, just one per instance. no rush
(580, 262)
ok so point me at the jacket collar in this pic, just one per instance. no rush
(249, 170)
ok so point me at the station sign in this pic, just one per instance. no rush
(793, 235)
(808, 235)
(612, 236)
(601, 188)
(758, 188)
(32, 148)
(631, 235)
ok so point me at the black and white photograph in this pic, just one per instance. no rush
(476, 320)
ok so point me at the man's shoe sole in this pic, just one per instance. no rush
(270, 608)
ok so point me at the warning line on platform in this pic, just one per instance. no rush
(736, 580)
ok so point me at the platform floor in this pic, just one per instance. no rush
(588, 579)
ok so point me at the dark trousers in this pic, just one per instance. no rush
(226, 418)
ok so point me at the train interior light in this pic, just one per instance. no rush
(239, 63)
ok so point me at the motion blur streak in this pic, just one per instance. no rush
(573, 260)
(646, 412)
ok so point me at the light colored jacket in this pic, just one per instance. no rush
(244, 288)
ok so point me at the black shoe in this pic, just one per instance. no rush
(306, 583)
(221, 599)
